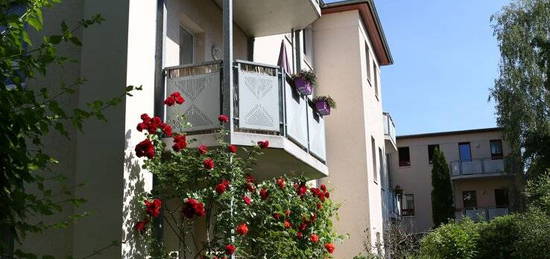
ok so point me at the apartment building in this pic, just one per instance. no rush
(483, 185)
(225, 56)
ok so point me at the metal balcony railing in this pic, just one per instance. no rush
(264, 102)
(389, 128)
(481, 214)
(477, 167)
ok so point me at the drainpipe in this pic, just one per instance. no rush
(159, 94)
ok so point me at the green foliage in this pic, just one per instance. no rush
(442, 190)
(452, 240)
(537, 192)
(497, 237)
(182, 174)
(533, 237)
(521, 90)
(331, 103)
(29, 112)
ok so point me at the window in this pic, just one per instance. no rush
(367, 60)
(501, 198)
(308, 43)
(496, 149)
(407, 205)
(381, 167)
(431, 149)
(187, 47)
(464, 151)
(375, 170)
(469, 199)
(404, 156)
(375, 73)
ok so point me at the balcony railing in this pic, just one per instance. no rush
(477, 167)
(264, 103)
(389, 129)
(482, 214)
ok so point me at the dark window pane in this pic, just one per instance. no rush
(187, 47)
(496, 149)
(431, 149)
(374, 168)
(404, 156)
(469, 199)
(501, 198)
(407, 205)
(464, 151)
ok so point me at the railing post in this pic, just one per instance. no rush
(227, 85)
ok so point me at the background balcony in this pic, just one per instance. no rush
(477, 168)
(389, 130)
(265, 107)
(482, 214)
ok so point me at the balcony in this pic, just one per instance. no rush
(482, 214)
(477, 168)
(267, 17)
(389, 130)
(263, 106)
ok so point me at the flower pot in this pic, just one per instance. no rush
(303, 86)
(322, 107)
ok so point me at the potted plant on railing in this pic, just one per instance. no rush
(323, 104)
(304, 81)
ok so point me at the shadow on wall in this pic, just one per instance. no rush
(133, 244)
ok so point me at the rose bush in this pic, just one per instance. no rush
(219, 199)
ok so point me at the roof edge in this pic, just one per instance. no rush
(448, 133)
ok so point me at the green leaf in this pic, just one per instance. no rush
(75, 41)
(55, 39)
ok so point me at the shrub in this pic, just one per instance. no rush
(537, 192)
(497, 237)
(534, 236)
(452, 240)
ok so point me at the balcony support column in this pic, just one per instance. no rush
(227, 81)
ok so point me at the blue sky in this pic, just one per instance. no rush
(446, 60)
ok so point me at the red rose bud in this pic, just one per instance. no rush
(242, 229)
(299, 235)
(223, 118)
(263, 144)
(203, 149)
(177, 97)
(180, 142)
(287, 224)
(166, 129)
(314, 238)
(145, 148)
(230, 249)
(208, 163)
(276, 216)
(330, 248)
(302, 227)
(232, 148)
(327, 195)
(145, 117)
(323, 188)
(141, 126)
(250, 179)
(281, 183)
(247, 200)
(264, 194)
(250, 187)
(170, 101)
(140, 226)
(153, 208)
(222, 186)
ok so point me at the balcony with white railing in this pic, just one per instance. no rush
(389, 130)
(262, 105)
(481, 214)
(477, 168)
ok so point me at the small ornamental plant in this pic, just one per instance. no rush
(209, 200)
(323, 104)
(305, 81)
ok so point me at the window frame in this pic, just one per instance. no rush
(367, 62)
(469, 148)
(431, 152)
(407, 212)
(193, 47)
(409, 163)
(474, 200)
(374, 163)
(496, 156)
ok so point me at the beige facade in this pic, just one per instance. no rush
(479, 175)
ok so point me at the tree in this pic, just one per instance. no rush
(442, 191)
(29, 112)
(522, 89)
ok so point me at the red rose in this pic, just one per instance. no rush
(173, 98)
(263, 144)
(222, 186)
(323, 188)
(232, 148)
(223, 118)
(208, 163)
(277, 216)
(141, 126)
(242, 229)
(180, 142)
(192, 207)
(230, 249)
(314, 238)
(319, 206)
(169, 101)
(287, 224)
(250, 187)
(203, 149)
(145, 148)
(327, 194)
(264, 193)
(140, 226)
(302, 189)
(166, 129)
(281, 183)
(145, 117)
(299, 235)
(302, 227)
(153, 208)
(250, 179)
(330, 248)
(247, 200)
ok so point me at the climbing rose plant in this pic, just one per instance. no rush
(212, 204)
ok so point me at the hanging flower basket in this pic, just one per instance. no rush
(304, 81)
(323, 104)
